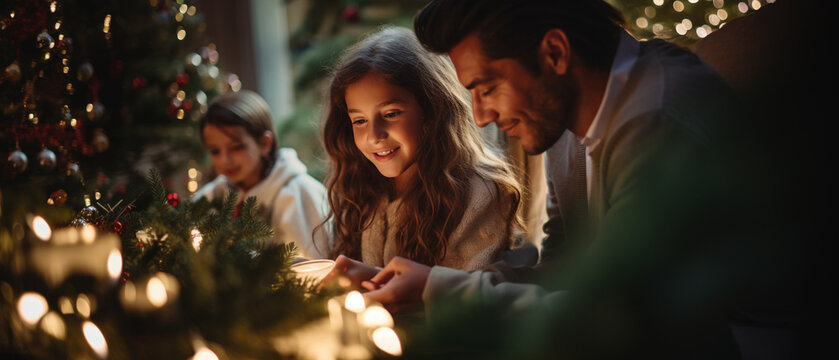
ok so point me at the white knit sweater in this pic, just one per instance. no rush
(291, 201)
(477, 242)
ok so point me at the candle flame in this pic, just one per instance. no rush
(114, 264)
(205, 354)
(41, 228)
(31, 307)
(376, 316)
(387, 340)
(95, 339)
(54, 325)
(83, 306)
(156, 292)
(354, 302)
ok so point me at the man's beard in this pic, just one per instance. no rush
(554, 107)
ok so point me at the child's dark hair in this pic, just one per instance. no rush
(246, 109)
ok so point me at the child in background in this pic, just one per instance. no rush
(410, 175)
(238, 132)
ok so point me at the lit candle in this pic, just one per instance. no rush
(77, 251)
(313, 270)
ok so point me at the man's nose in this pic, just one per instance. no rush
(484, 115)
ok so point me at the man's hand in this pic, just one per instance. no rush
(399, 285)
(353, 271)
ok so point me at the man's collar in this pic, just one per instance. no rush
(625, 58)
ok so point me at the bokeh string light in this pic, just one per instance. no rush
(683, 21)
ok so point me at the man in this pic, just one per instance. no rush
(639, 141)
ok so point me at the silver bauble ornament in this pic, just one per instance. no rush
(12, 72)
(72, 169)
(18, 160)
(78, 222)
(95, 111)
(84, 72)
(45, 40)
(88, 213)
(100, 140)
(47, 159)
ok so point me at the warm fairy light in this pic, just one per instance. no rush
(88, 108)
(83, 306)
(204, 354)
(192, 173)
(719, 3)
(649, 11)
(743, 7)
(183, 8)
(658, 2)
(387, 340)
(192, 10)
(201, 97)
(181, 95)
(66, 70)
(354, 302)
(46, 56)
(106, 27)
(192, 186)
(12, 15)
(680, 29)
(114, 264)
(57, 24)
(376, 316)
(212, 71)
(95, 339)
(65, 305)
(658, 28)
(197, 239)
(693, 1)
(179, 17)
(713, 19)
(156, 292)
(181, 34)
(755, 4)
(97, 195)
(88, 234)
(41, 228)
(31, 307)
(678, 6)
(702, 32)
(722, 14)
(53, 325)
(642, 22)
(73, 122)
(53, 6)
(687, 24)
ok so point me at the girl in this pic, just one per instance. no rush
(237, 131)
(410, 175)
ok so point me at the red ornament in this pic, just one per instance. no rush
(139, 82)
(182, 79)
(350, 14)
(173, 199)
(117, 227)
(187, 105)
(125, 276)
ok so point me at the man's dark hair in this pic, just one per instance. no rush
(514, 28)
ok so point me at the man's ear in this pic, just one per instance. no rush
(266, 140)
(555, 51)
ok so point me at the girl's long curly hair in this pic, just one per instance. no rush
(451, 151)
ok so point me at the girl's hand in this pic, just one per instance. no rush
(348, 273)
(399, 285)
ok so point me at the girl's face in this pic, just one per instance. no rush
(236, 154)
(386, 122)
